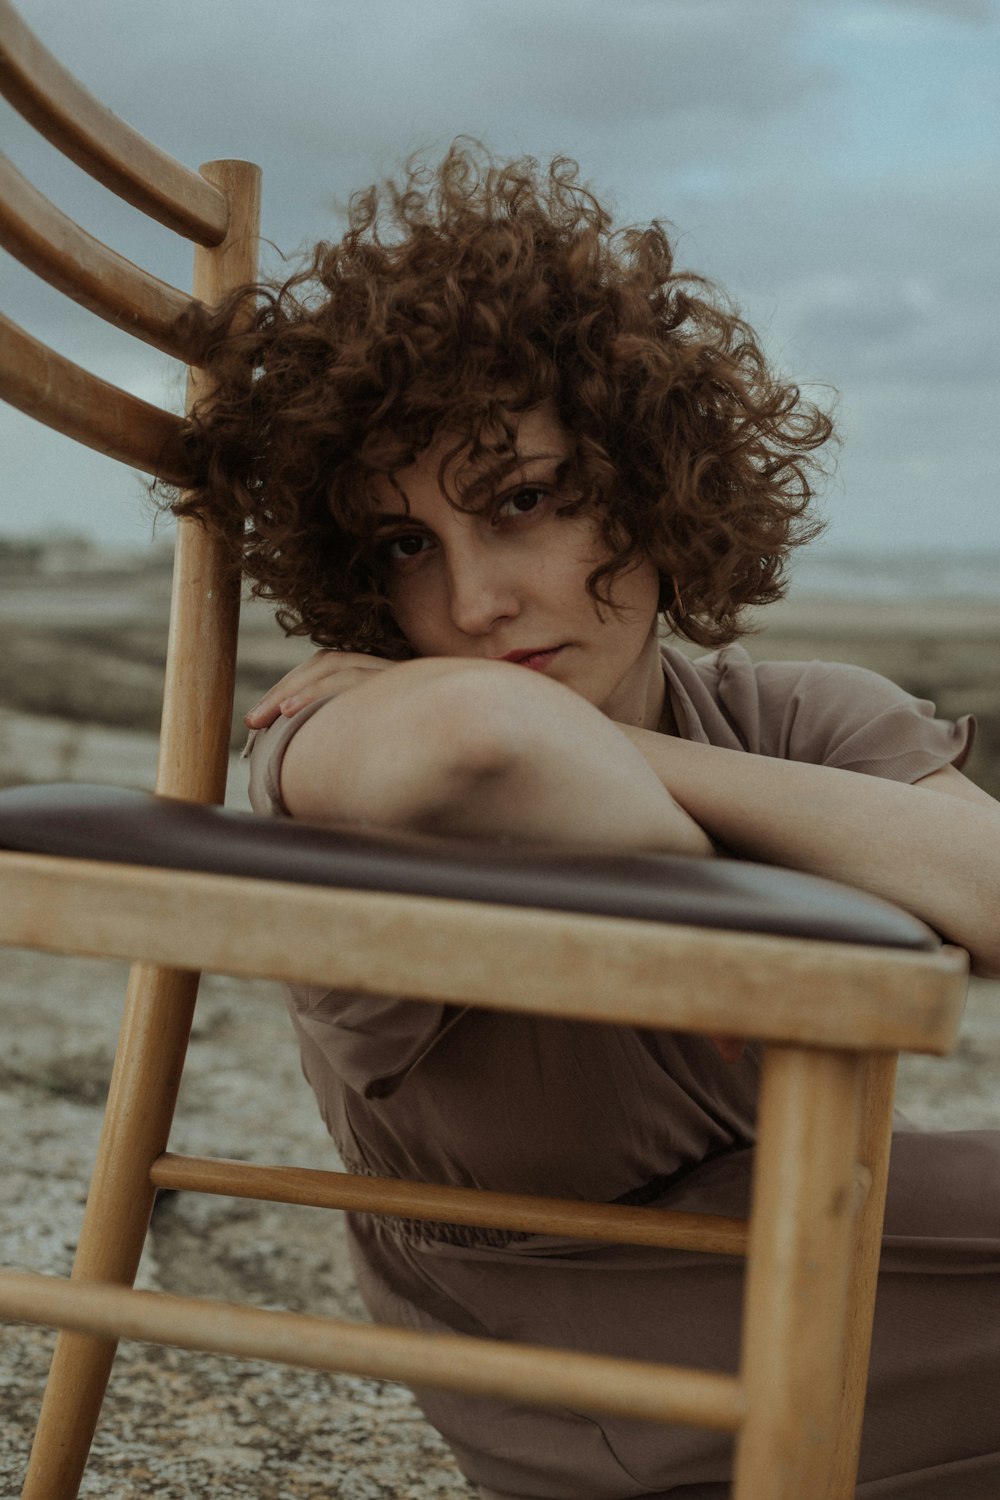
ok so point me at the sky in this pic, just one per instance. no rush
(832, 163)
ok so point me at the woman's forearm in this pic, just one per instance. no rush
(487, 750)
(937, 856)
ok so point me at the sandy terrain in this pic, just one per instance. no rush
(181, 1425)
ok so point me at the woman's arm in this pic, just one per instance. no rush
(480, 749)
(933, 848)
(477, 750)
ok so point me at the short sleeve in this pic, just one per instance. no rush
(265, 750)
(368, 1042)
(833, 714)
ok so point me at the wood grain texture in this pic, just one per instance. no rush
(205, 597)
(52, 245)
(874, 1147)
(84, 129)
(612, 1223)
(505, 958)
(147, 1073)
(805, 1201)
(520, 1373)
(62, 395)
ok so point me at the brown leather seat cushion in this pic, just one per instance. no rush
(131, 827)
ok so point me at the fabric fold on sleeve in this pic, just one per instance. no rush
(832, 714)
(265, 749)
(376, 1040)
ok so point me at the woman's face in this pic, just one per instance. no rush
(509, 582)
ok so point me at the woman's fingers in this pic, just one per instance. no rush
(323, 673)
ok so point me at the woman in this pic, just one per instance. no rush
(479, 451)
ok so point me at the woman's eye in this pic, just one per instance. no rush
(520, 502)
(402, 548)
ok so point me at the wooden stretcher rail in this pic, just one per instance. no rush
(84, 129)
(506, 958)
(473, 1366)
(49, 387)
(52, 245)
(612, 1223)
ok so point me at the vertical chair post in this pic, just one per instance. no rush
(159, 1005)
(878, 1092)
(158, 1009)
(805, 1199)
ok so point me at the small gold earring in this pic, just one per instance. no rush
(679, 609)
(669, 586)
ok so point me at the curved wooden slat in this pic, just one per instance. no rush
(84, 129)
(59, 393)
(48, 242)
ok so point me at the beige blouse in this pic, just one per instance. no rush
(544, 1092)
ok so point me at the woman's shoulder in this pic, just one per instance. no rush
(829, 713)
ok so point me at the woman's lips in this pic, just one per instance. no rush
(536, 660)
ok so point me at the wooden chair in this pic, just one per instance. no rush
(833, 983)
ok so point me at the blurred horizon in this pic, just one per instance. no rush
(818, 569)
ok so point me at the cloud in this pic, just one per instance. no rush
(864, 250)
(975, 12)
(876, 324)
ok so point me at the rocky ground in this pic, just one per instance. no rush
(178, 1424)
(181, 1425)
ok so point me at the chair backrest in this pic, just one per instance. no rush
(218, 208)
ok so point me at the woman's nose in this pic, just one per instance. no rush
(481, 592)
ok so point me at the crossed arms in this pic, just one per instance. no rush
(493, 750)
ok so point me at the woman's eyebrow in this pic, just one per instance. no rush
(392, 517)
(529, 458)
(386, 518)
(501, 472)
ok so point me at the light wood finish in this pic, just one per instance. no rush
(805, 1200)
(56, 248)
(160, 1001)
(711, 1234)
(54, 390)
(205, 604)
(873, 1156)
(509, 958)
(520, 1373)
(144, 1083)
(85, 130)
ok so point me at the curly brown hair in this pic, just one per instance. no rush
(469, 293)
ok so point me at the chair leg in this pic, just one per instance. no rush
(801, 1239)
(876, 1140)
(156, 1025)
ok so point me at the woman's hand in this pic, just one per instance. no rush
(325, 673)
